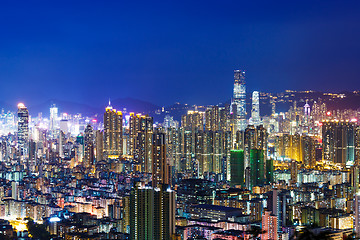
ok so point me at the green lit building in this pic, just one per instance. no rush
(237, 167)
(257, 168)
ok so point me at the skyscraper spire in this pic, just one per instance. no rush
(109, 103)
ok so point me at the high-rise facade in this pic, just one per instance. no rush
(269, 226)
(99, 145)
(173, 147)
(239, 100)
(357, 145)
(253, 138)
(257, 168)
(278, 203)
(237, 164)
(164, 213)
(143, 150)
(113, 121)
(23, 129)
(134, 125)
(255, 110)
(141, 213)
(160, 168)
(339, 142)
(138, 141)
(89, 146)
(294, 171)
(191, 124)
(53, 117)
(357, 215)
(152, 213)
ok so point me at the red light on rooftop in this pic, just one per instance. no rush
(328, 113)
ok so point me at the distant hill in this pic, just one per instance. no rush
(132, 105)
(351, 100)
(175, 110)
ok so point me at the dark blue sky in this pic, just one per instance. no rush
(88, 51)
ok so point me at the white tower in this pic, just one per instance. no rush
(239, 100)
(255, 110)
(53, 117)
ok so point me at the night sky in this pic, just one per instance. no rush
(162, 52)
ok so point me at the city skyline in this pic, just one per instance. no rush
(132, 104)
(182, 120)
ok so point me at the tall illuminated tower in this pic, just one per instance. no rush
(99, 145)
(53, 117)
(338, 142)
(113, 132)
(143, 150)
(160, 168)
(134, 123)
(237, 169)
(257, 170)
(255, 110)
(89, 146)
(357, 215)
(239, 100)
(307, 112)
(152, 213)
(269, 226)
(23, 129)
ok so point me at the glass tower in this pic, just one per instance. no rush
(23, 129)
(239, 100)
(255, 110)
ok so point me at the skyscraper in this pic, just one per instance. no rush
(143, 150)
(152, 213)
(357, 215)
(257, 168)
(239, 100)
(338, 142)
(113, 132)
(237, 165)
(53, 117)
(357, 145)
(255, 110)
(141, 213)
(294, 171)
(212, 119)
(99, 144)
(278, 202)
(164, 213)
(269, 226)
(89, 146)
(134, 123)
(160, 168)
(269, 171)
(191, 124)
(23, 129)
